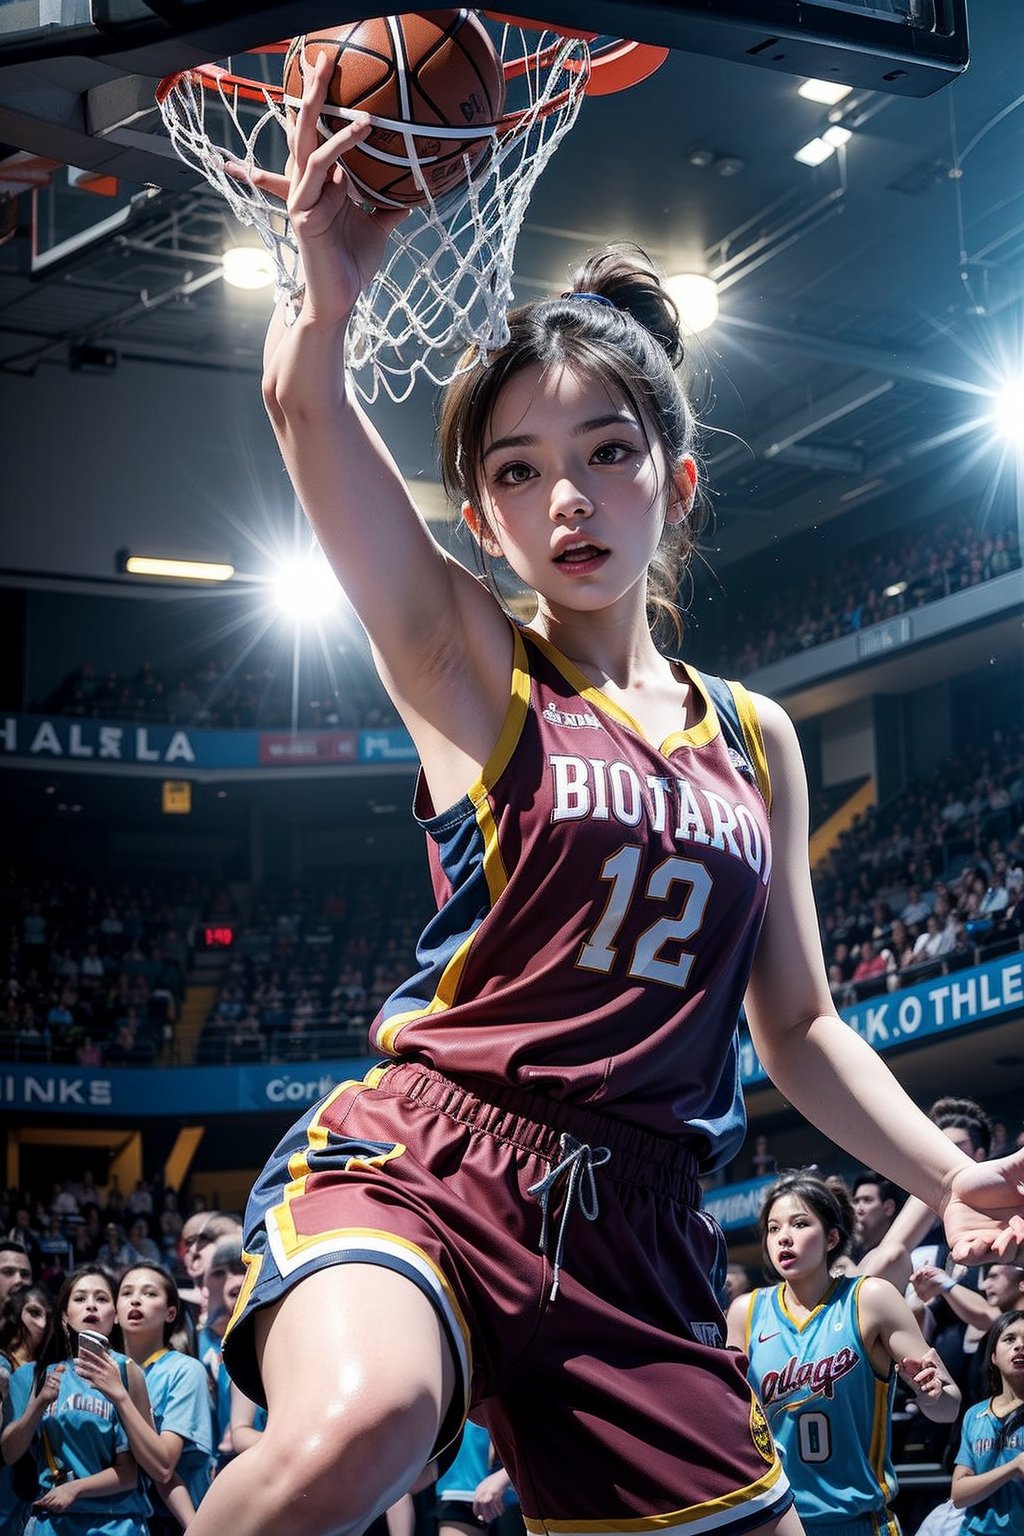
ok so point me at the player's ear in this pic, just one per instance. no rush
(480, 531)
(683, 491)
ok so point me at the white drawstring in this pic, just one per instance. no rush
(576, 1168)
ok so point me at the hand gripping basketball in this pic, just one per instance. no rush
(340, 237)
(433, 86)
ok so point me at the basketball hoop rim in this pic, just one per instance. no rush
(616, 67)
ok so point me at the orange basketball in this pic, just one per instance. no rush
(436, 69)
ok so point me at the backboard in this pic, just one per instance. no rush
(77, 76)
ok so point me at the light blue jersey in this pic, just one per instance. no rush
(13, 1510)
(80, 1434)
(1002, 1513)
(179, 1393)
(471, 1465)
(828, 1410)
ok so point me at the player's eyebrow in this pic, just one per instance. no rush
(529, 440)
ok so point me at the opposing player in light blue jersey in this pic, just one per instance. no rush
(175, 1449)
(88, 1478)
(988, 1479)
(824, 1350)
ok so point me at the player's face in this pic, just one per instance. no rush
(34, 1322)
(577, 491)
(1008, 1355)
(90, 1305)
(1003, 1286)
(872, 1212)
(15, 1270)
(796, 1239)
(142, 1305)
(194, 1241)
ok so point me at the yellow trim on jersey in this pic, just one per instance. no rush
(880, 1437)
(317, 1137)
(253, 1264)
(495, 872)
(752, 735)
(713, 1515)
(836, 1282)
(697, 735)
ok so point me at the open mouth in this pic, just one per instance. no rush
(579, 555)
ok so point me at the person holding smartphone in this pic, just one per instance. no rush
(87, 1476)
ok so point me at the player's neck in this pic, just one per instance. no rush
(804, 1293)
(140, 1346)
(615, 648)
(1006, 1401)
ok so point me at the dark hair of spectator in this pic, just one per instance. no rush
(964, 1115)
(886, 1189)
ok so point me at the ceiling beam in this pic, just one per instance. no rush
(874, 359)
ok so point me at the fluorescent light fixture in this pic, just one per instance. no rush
(828, 92)
(814, 152)
(248, 266)
(696, 298)
(178, 570)
(837, 136)
(896, 590)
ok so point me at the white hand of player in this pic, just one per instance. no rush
(340, 241)
(984, 1219)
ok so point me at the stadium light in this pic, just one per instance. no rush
(696, 298)
(306, 589)
(1008, 412)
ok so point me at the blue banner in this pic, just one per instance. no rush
(92, 744)
(963, 1000)
(736, 1205)
(186, 1093)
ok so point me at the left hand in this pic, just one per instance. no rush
(929, 1281)
(489, 1497)
(56, 1500)
(984, 1217)
(100, 1371)
(926, 1376)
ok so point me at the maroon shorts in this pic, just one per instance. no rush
(610, 1398)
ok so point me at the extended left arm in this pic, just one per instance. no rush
(890, 1328)
(829, 1073)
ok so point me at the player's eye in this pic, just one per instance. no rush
(613, 453)
(514, 473)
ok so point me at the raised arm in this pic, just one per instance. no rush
(891, 1331)
(442, 643)
(828, 1073)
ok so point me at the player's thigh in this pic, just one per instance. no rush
(347, 1352)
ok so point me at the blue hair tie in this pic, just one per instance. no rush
(592, 298)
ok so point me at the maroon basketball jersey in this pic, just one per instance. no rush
(599, 903)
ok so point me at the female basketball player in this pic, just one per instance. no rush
(173, 1444)
(988, 1479)
(506, 1215)
(824, 1350)
(88, 1483)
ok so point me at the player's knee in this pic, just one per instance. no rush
(334, 1473)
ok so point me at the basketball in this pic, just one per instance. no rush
(430, 70)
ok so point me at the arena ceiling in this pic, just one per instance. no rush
(869, 306)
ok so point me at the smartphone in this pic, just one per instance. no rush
(92, 1343)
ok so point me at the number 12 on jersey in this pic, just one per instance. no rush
(621, 872)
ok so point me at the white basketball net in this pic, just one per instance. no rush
(445, 284)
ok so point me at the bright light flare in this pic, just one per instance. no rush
(1008, 410)
(306, 589)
